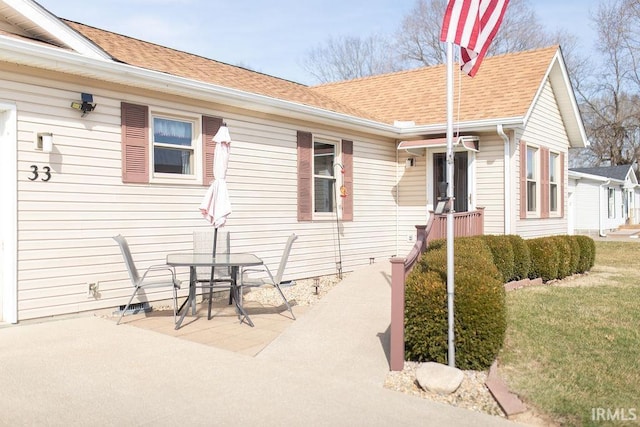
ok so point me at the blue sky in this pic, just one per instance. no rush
(273, 36)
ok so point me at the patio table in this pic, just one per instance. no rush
(233, 261)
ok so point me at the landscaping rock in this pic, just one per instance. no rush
(439, 378)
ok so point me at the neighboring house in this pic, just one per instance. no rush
(602, 199)
(139, 162)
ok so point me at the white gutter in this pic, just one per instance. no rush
(487, 125)
(55, 59)
(507, 179)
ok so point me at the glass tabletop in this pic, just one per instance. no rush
(208, 260)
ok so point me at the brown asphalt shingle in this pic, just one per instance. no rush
(177, 63)
(504, 87)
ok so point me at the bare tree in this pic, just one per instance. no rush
(346, 58)
(417, 43)
(419, 36)
(610, 99)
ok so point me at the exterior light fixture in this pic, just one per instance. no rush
(44, 142)
(86, 106)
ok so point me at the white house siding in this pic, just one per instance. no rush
(412, 199)
(592, 207)
(490, 183)
(589, 204)
(545, 129)
(65, 226)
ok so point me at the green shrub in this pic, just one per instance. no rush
(564, 256)
(469, 252)
(575, 253)
(521, 257)
(587, 253)
(502, 253)
(544, 258)
(426, 318)
(592, 253)
(479, 308)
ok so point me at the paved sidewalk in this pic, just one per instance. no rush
(325, 369)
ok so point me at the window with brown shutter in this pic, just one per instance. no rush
(324, 191)
(135, 143)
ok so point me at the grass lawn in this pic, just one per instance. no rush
(572, 349)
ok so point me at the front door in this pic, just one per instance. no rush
(460, 181)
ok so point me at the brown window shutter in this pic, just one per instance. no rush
(210, 126)
(135, 143)
(561, 201)
(347, 164)
(544, 183)
(305, 176)
(523, 180)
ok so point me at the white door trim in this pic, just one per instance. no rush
(8, 213)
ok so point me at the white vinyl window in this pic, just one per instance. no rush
(532, 179)
(324, 185)
(173, 146)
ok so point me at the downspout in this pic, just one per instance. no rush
(600, 230)
(397, 251)
(507, 180)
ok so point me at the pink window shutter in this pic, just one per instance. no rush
(305, 176)
(135, 143)
(562, 200)
(523, 180)
(210, 126)
(544, 183)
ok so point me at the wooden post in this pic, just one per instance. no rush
(396, 350)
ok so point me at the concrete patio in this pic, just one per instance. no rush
(325, 369)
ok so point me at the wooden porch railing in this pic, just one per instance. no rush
(465, 224)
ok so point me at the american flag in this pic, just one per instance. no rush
(472, 25)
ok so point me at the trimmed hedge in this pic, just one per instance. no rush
(502, 252)
(521, 257)
(587, 253)
(480, 314)
(544, 258)
(564, 256)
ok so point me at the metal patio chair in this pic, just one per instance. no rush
(268, 279)
(144, 282)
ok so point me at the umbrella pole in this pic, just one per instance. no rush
(213, 253)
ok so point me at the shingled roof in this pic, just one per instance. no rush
(154, 57)
(618, 172)
(504, 87)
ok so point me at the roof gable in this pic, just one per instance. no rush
(504, 87)
(26, 18)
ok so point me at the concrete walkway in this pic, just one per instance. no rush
(326, 369)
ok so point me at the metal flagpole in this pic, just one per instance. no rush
(450, 232)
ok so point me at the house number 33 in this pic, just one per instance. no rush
(44, 175)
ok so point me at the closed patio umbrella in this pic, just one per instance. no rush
(215, 206)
